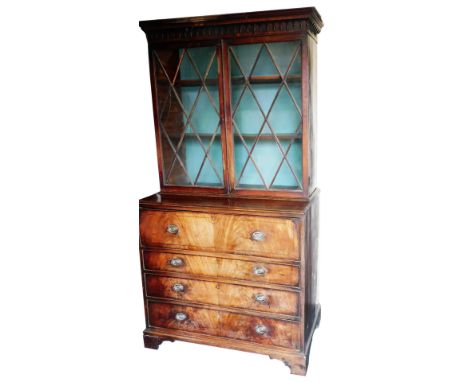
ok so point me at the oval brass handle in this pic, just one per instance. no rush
(260, 298)
(259, 271)
(178, 287)
(258, 236)
(175, 262)
(261, 329)
(172, 229)
(180, 316)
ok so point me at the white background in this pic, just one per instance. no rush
(77, 152)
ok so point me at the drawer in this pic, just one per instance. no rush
(263, 236)
(218, 267)
(261, 330)
(222, 294)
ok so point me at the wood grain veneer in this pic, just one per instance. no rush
(219, 232)
(225, 324)
(196, 265)
(223, 294)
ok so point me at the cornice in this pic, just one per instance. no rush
(298, 20)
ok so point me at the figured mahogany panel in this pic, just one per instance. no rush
(223, 294)
(219, 267)
(271, 237)
(223, 324)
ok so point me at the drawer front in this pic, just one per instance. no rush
(263, 236)
(222, 294)
(261, 330)
(217, 267)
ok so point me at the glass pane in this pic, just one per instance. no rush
(267, 115)
(189, 119)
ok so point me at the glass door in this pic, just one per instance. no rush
(189, 121)
(266, 115)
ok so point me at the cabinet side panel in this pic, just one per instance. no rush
(311, 254)
(312, 111)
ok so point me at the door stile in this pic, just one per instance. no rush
(228, 117)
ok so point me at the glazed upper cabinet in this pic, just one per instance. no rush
(234, 108)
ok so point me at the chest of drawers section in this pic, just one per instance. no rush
(230, 277)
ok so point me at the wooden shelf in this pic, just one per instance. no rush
(264, 137)
(194, 136)
(189, 83)
(269, 137)
(266, 79)
(234, 80)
